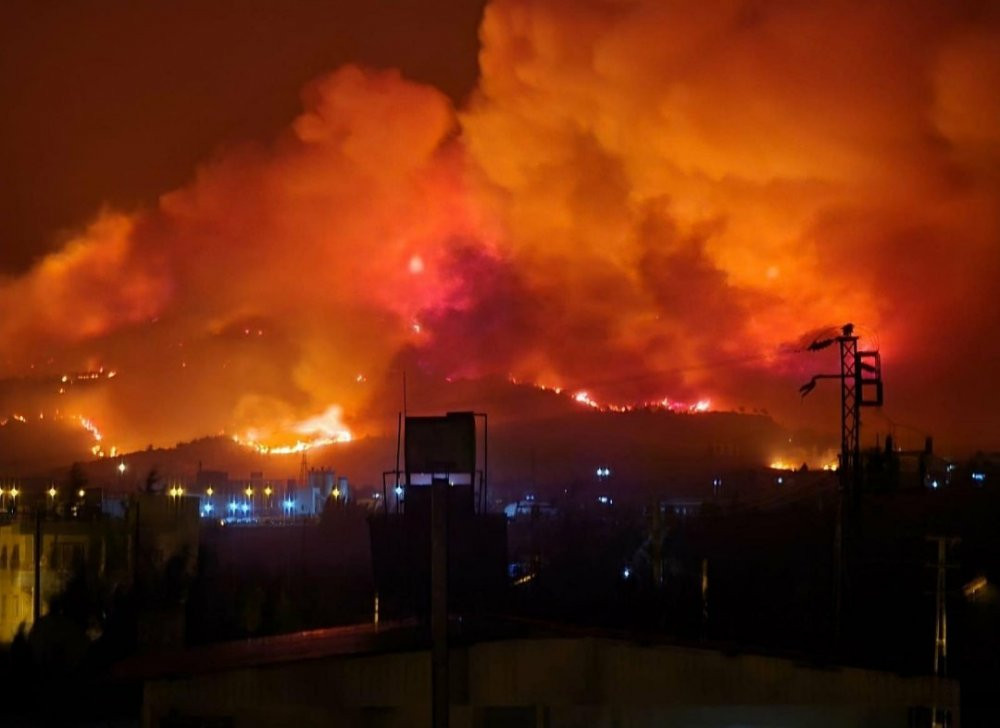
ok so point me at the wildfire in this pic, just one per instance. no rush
(321, 430)
(665, 403)
(784, 464)
(781, 465)
(98, 449)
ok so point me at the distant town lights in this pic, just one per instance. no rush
(121, 468)
(603, 472)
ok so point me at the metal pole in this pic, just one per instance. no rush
(37, 596)
(439, 603)
(850, 468)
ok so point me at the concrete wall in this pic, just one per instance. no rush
(60, 539)
(552, 683)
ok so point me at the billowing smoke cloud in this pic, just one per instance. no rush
(642, 199)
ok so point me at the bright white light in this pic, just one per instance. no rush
(979, 477)
(398, 490)
(626, 572)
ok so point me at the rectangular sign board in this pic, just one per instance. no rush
(441, 444)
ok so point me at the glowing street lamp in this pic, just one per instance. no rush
(121, 468)
(52, 495)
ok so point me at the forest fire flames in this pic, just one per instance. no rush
(616, 201)
(318, 431)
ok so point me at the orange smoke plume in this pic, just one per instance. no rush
(641, 200)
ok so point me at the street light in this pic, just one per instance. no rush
(121, 468)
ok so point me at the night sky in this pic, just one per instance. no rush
(258, 214)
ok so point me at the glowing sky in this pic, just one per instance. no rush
(638, 199)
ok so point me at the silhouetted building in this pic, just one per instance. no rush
(439, 448)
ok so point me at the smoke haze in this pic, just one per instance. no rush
(639, 200)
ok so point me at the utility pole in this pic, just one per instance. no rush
(303, 473)
(439, 603)
(37, 595)
(860, 386)
(940, 621)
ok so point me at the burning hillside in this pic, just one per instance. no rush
(640, 203)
